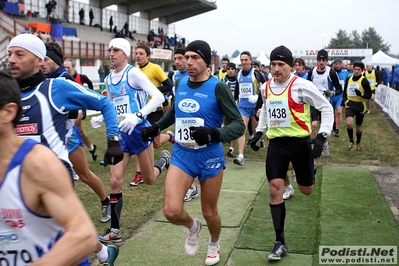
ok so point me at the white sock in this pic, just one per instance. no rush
(215, 244)
(103, 254)
(92, 147)
(241, 156)
(289, 186)
(195, 227)
(231, 148)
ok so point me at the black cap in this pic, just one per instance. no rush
(337, 60)
(202, 49)
(231, 65)
(180, 51)
(322, 54)
(359, 64)
(282, 53)
(256, 63)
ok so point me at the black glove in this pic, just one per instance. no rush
(329, 93)
(113, 154)
(359, 93)
(149, 133)
(204, 135)
(318, 145)
(254, 140)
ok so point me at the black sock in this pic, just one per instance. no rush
(350, 134)
(160, 164)
(138, 172)
(116, 209)
(358, 137)
(278, 217)
(105, 202)
(334, 127)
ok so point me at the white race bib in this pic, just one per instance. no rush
(245, 90)
(182, 131)
(122, 105)
(351, 89)
(278, 114)
(371, 82)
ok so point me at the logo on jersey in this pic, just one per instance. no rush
(26, 129)
(7, 238)
(13, 218)
(189, 106)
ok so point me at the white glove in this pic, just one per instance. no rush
(253, 98)
(128, 122)
(96, 121)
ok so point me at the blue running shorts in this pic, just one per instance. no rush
(247, 112)
(336, 101)
(74, 140)
(134, 144)
(204, 163)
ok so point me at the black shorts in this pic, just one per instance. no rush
(155, 116)
(282, 151)
(349, 112)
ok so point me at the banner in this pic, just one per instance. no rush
(388, 99)
(163, 54)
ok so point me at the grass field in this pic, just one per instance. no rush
(346, 207)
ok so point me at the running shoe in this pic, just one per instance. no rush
(166, 155)
(75, 176)
(113, 252)
(172, 136)
(213, 255)
(230, 153)
(326, 150)
(248, 144)
(93, 152)
(137, 180)
(350, 146)
(358, 147)
(191, 194)
(239, 160)
(111, 235)
(289, 192)
(191, 244)
(278, 251)
(336, 133)
(106, 213)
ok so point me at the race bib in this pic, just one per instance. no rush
(278, 114)
(351, 89)
(122, 105)
(245, 90)
(371, 82)
(182, 131)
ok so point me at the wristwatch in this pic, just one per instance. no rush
(324, 134)
(139, 115)
(113, 138)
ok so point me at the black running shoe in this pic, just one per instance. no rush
(93, 152)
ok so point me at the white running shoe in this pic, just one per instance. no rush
(191, 244)
(289, 192)
(213, 255)
(293, 176)
(191, 193)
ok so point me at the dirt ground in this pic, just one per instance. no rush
(388, 180)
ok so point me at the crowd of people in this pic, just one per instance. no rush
(295, 108)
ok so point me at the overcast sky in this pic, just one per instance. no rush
(257, 25)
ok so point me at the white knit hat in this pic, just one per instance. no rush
(29, 42)
(122, 44)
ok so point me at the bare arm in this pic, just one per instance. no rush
(47, 189)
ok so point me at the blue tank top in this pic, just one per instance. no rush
(125, 98)
(196, 107)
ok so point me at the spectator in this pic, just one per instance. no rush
(115, 30)
(395, 79)
(126, 29)
(98, 26)
(111, 23)
(101, 73)
(131, 37)
(82, 16)
(91, 16)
